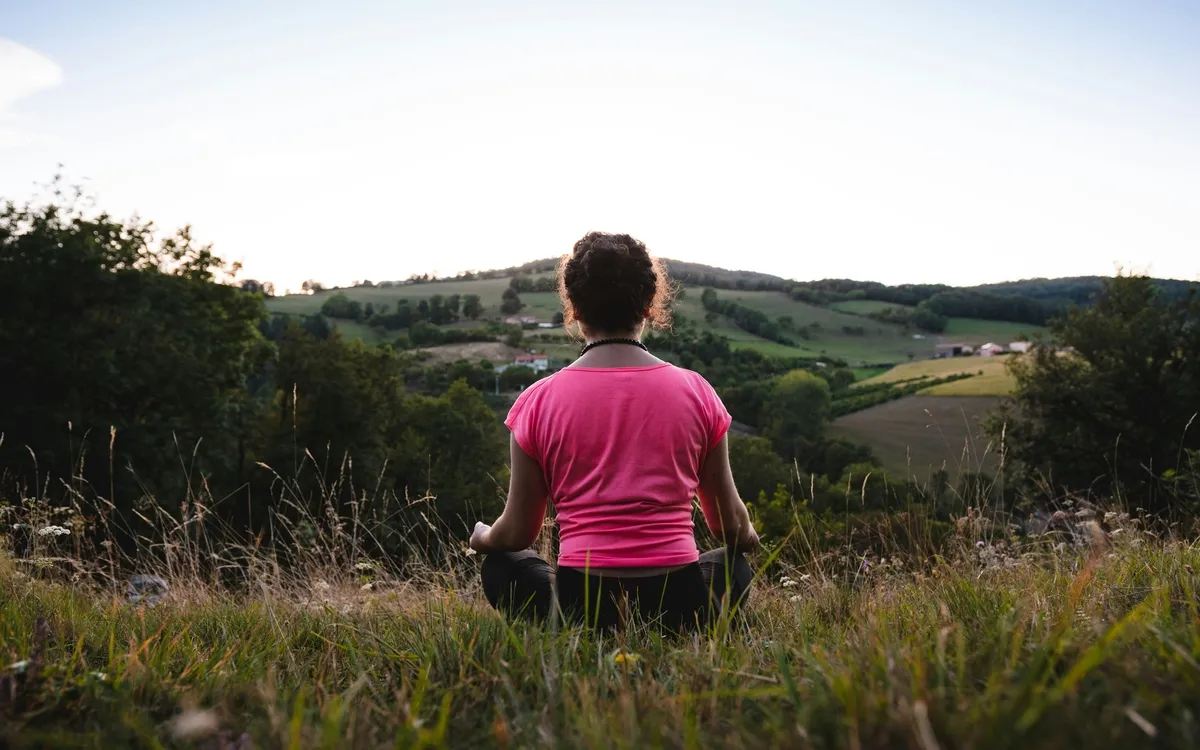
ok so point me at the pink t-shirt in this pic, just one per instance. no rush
(621, 449)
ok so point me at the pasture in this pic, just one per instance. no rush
(863, 306)
(976, 332)
(917, 435)
(991, 377)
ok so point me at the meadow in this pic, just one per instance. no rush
(918, 435)
(991, 377)
(1072, 639)
(840, 331)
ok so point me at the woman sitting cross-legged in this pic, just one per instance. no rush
(620, 442)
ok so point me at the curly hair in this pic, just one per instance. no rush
(610, 283)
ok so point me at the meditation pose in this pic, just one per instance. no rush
(620, 442)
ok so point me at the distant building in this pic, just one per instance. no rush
(944, 351)
(521, 320)
(538, 362)
(990, 350)
(1020, 347)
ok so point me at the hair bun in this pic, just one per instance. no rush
(610, 256)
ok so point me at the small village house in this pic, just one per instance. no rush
(990, 350)
(536, 362)
(1020, 347)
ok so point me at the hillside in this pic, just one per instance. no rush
(839, 330)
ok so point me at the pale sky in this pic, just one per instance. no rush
(954, 142)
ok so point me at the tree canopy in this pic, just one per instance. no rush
(1116, 409)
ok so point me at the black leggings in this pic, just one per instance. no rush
(523, 585)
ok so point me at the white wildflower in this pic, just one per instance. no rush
(795, 598)
(321, 586)
(192, 725)
(54, 531)
(364, 566)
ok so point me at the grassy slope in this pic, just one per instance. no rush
(991, 377)
(881, 342)
(863, 306)
(977, 332)
(1046, 653)
(919, 434)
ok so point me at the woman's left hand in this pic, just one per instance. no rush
(478, 537)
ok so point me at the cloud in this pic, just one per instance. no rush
(23, 72)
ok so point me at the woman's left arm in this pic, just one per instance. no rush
(518, 526)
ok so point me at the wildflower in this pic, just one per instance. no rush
(623, 657)
(364, 566)
(321, 586)
(367, 587)
(54, 531)
(980, 544)
(795, 598)
(194, 725)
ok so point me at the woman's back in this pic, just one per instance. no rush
(621, 449)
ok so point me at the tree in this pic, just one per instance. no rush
(115, 349)
(517, 376)
(471, 307)
(341, 306)
(1116, 408)
(1114, 411)
(557, 318)
(757, 468)
(312, 287)
(510, 303)
(515, 338)
(796, 413)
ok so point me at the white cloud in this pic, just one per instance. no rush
(22, 72)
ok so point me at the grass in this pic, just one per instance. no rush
(489, 291)
(1001, 647)
(991, 379)
(999, 635)
(982, 331)
(917, 435)
(863, 306)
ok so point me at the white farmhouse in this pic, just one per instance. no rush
(537, 362)
(1020, 347)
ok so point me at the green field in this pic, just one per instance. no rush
(991, 376)
(879, 343)
(863, 306)
(976, 332)
(917, 435)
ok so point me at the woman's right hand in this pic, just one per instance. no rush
(748, 540)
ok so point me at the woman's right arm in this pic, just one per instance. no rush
(723, 508)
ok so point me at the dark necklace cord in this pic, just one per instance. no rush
(603, 342)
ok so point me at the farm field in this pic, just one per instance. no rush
(489, 291)
(991, 376)
(879, 343)
(983, 331)
(863, 306)
(918, 435)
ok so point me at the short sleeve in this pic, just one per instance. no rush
(717, 417)
(522, 420)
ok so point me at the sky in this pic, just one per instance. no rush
(949, 142)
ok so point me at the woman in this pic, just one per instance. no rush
(621, 442)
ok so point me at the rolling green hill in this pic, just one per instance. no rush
(839, 330)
